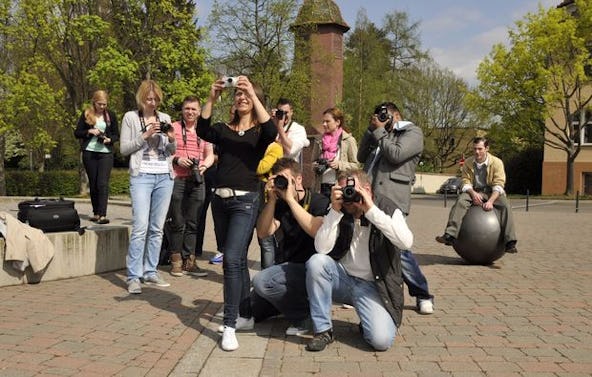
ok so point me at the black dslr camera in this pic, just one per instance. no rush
(382, 113)
(279, 114)
(349, 193)
(280, 182)
(195, 171)
(165, 127)
(322, 165)
(101, 138)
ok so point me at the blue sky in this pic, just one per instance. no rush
(458, 33)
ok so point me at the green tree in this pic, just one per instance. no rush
(543, 75)
(377, 60)
(252, 37)
(434, 99)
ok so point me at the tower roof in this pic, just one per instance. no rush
(320, 12)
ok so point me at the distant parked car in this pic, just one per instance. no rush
(451, 186)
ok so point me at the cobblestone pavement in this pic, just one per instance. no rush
(529, 314)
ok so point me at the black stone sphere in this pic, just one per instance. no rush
(480, 238)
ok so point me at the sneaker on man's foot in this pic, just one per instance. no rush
(300, 328)
(320, 341)
(425, 306)
(347, 306)
(229, 341)
(134, 287)
(156, 280)
(446, 239)
(217, 259)
(242, 324)
(511, 247)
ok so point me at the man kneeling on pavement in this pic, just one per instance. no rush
(293, 214)
(358, 262)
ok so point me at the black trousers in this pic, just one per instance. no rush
(98, 169)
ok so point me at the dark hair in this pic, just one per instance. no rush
(478, 139)
(190, 99)
(284, 101)
(286, 163)
(390, 106)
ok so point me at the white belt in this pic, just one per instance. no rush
(225, 192)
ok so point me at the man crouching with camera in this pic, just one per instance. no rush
(358, 263)
(192, 158)
(293, 213)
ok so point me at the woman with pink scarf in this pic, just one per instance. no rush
(336, 151)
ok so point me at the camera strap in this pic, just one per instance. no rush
(143, 121)
(307, 199)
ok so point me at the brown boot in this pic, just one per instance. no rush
(191, 268)
(176, 264)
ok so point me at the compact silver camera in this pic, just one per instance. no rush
(230, 82)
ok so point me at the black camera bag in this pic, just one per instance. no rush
(49, 215)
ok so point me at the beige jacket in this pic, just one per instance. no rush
(26, 245)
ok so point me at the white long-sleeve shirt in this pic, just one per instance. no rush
(357, 260)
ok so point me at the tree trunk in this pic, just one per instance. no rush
(2, 172)
(569, 180)
(83, 178)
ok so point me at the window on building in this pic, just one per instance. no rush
(587, 181)
(585, 136)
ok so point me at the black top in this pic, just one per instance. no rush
(111, 131)
(295, 245)
(238, 155)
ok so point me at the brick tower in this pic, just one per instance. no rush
(318, 51)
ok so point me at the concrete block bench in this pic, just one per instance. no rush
(99, 249)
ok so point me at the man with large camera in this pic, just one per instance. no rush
(390, 150)
(192, 158)
(293, 214)
(291, 135)
(358, 262)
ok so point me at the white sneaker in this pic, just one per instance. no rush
(346, 306)
(426, 306)
(229, 341)
(156, 280)
(242, 324)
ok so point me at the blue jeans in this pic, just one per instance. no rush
(328, 282)
(268, 247)
(234, 222)
(414, 278)
(283, 286)
(151, 195)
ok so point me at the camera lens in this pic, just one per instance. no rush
(280, 182)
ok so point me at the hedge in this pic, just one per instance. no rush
(56, 183)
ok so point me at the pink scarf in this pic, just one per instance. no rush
(331, 143)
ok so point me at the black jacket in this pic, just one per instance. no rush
(112, 131)
(385, 259)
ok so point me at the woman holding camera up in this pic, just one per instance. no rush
(190, 162)
(97, 130)
(241, 144)
(149, 139)
(335, 152)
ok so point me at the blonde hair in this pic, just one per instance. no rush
(90, 114)
(144, 90)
